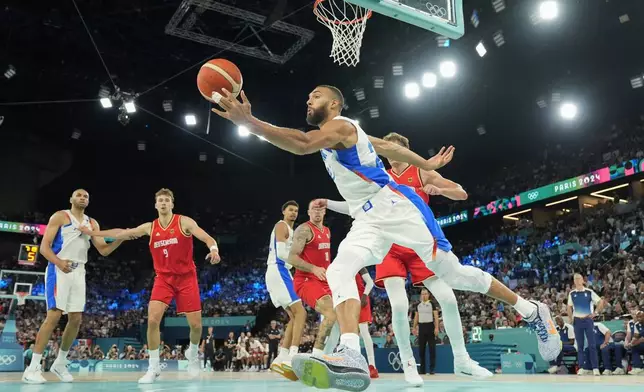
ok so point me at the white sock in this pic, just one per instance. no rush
(351, 340)
(368, 343)
(154, 357)
(399, 310)
(283, 352)
(317, 352)
(451, 316)
(194, 349)
(333, 339)
(62, 355)
(525, 308)
(35, 361)
(293, 351)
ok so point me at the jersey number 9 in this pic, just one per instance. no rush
(165, 252)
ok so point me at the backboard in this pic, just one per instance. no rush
(444, 17)
(14, 281)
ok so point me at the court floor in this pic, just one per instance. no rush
(264, 382)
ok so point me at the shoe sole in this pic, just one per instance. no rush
(33, 382)
(285, 372)
(316, 373)
(60, 376)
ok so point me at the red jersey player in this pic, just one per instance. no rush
(176, 275)
(311, 255)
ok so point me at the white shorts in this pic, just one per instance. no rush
(395, 215)
(279, 284)
(63, 291)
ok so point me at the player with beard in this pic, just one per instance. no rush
(65, 247)
(385, 213)
(171, 246)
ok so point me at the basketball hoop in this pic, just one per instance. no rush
(347, 23)
(21, 298)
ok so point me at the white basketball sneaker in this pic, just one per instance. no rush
(151, 375)
(33, 376)
(193, 363)
(411, 373)
(467, 367)
(59, 368)
(547, 336)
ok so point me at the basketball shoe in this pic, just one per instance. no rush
(345, 369)
(33, 376)
(467, 367)
(548, 338)
(59, 368)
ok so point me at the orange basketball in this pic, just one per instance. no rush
(216, 75)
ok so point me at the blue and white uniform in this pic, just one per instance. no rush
(67, 291)
(386, 213)
(279, 281)
(583, 304)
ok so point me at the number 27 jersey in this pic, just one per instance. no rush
(171, 248)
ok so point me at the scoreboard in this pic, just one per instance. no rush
(28, 254)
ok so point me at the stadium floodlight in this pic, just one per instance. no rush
(397, 69)
(498, 38)
(448, 69)
(359, 93)
(568, 110)
(429, 80)
(637, 81)
(379, 82)
(480, 49)
(374, 112)
(106, 102)
(167, 105)
(499, 5)
(548, 10)
(10, 72)
(203, 157)
(76, 134)
(141, 145)
(412, 90)
(191, 119)
(130, 107)
(243, 131)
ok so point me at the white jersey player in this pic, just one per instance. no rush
(65, 247)
(279, 283)
(384, 213)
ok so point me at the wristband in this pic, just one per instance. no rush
(214, 247)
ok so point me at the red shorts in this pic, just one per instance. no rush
(184, 289)
(365, 313)
(398, 262)
(310, 290)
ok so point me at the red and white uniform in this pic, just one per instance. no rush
(317, 252)
(401, 260)
(365, 312)
(176, 274)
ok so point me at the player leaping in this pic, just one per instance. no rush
(385, 213)
(176, 275)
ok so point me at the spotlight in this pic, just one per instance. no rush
(397, 69)
(568, 110)
(481, 130)
(499, 5)
(429, 79)
(167, 105)
(10, 72)
(104, 92)
(191, 119)
(374, 112)
(124, 117)
(106, 102)
(243, 131)
(637, 81)
(412, 90)
(220, 159)
(475, 18)
(203, 157)
(542, 103)
(130, 107)
(448, 69)
(76, 134)
(359, 93)
(140, 145)
(442, 42)
(480, 49)
(379, 82)
(499, 39)
(548, 10)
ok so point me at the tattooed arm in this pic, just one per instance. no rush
(301, 237)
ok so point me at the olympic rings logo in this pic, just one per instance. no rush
(7, 360)
(436, 10)
(533, 195)
(163, 365)
(395, 361)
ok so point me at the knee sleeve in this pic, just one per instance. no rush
(341, 276)
(460, 277)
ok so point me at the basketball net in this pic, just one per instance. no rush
(347, 23)
(21, 298)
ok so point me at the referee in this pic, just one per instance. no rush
(426, 326)
(581, 312)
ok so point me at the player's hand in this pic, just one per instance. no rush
(85, 230)
(364, 300)
(432, 190)
(235, 111)
(214, 257)
(414, 331)
(65, 266)
(601, 347)
(436, 332)
(441, 159)
(319, 203)
(319, 273)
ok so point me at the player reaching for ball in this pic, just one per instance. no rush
(385, 213)
(176, 275)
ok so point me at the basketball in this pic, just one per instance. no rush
(218, 74)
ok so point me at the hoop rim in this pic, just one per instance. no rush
(338, 22)
(21, 297)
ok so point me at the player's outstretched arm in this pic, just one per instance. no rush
(341, 207)
(301, 236)
(292, 140)
(120, 234)
(101, 246)
(189, 226)
(399, 153)
(435, 184)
